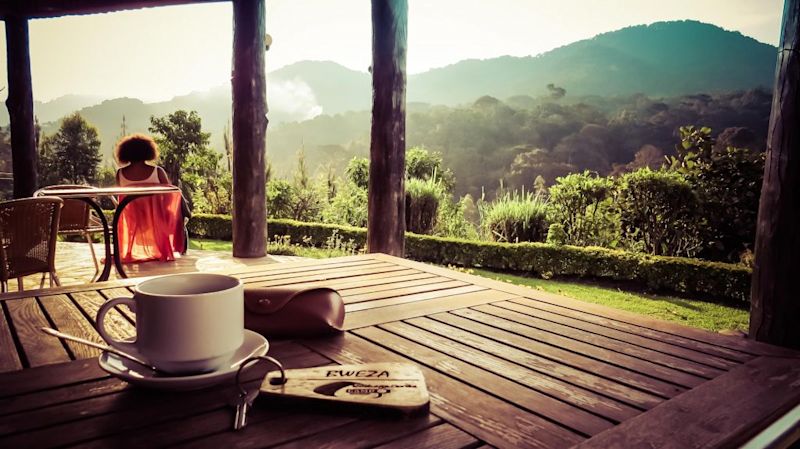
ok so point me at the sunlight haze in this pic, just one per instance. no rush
(155, 54)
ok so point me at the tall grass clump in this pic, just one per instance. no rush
(515, 217)
(422, 204)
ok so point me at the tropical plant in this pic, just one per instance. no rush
(515, 217)
(422, 204)
(659, 210)
(581, 205)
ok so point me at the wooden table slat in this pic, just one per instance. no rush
(28, 318)
(542, 401)
(724, 412)
(70, 320)
(578, 359)
(652, 363)
(483, 416)
(443, 436)
(118, 326)
(403, 291)
(411, 298)
(581, 389)
(680, 347)
(9, 359)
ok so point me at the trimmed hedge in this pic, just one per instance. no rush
(726, 282)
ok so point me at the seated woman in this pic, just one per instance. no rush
(151, 227)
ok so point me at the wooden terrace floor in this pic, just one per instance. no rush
(74, 265)
(506, 366)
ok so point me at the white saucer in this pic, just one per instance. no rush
(254, 345)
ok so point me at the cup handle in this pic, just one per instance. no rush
(124, 346)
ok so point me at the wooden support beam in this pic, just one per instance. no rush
(20, 107)
(56, 8)
(387, 222)
(249, 129)
(775, 294)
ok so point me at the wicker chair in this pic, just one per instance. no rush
(77, 218)
(28, 231)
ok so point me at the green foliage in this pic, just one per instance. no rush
(190, 163)
(421, 164)
(728, 183)
(71, 155)
(659, 210)
(515, 217)
(422, 204)
(348, 206)
(281, 197)
(726, 282)
(581, 205)
(357, 172)
(454, 218)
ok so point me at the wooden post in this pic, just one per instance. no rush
(387, 222)
(249, 129)
(20, 107)
(775, 294)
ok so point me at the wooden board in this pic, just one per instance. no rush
(28, 318)
(724, 412)
(9, 359)
(70, 320)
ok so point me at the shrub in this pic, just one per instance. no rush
(348, 206)
(281, 196)
(515, 217)
(422, 204)
(659, 209)
(727, 282)
(581, 205)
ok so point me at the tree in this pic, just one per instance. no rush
(178, 135)
(71, 155)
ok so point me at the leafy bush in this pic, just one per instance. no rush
(281, 197)
(727, 282)
(422, 204)
(659, 210)
(348, 206)
(581, 205)
(515, 217)
(357, 172)
(421, 164)
(728, 183)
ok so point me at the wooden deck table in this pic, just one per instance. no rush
(506, 366)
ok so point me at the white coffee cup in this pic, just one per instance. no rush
(185, 323)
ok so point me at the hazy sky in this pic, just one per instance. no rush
(155, 54)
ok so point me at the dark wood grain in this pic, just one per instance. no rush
(363, 433)
(678, 346)
(443, 436)
(49, 376)
(483, 416)
(369, 317)
(402, 291)
(571, 386)
(582, 357)
(249, 129)
(20, 106)
(118, 326)
(539, 401)
(287, 279)
(9, 359)
(386, 222)
(579, 340)
(724, 412)
(380, 301)
(774, 307)
(28, 319)
(70, 320)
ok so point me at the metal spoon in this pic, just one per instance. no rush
(107, 348)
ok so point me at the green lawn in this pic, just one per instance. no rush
(702, 314)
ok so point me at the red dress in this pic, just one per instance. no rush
(151, 227)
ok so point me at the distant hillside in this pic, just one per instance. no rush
(662, 59)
